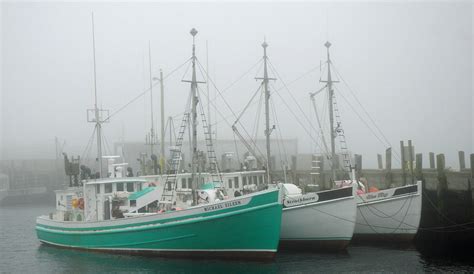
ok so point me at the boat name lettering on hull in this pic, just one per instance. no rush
(221, 206)
(303, 199)
(377, 195)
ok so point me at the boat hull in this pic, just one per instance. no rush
(327, 224)
(248, 227)
(391, 215)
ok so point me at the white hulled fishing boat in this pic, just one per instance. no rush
(383, 215)
(321, 220)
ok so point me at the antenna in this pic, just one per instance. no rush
(95, 115)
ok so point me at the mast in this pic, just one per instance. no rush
(152, 130)
(268, 131)
(98, 122)
(331, 113)
(194, 120)
(162, 158)
(207, 89)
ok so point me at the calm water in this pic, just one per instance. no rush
(20, 252)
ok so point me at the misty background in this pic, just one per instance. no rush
(410, 64)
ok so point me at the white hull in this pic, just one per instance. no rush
(389, 213)
(327, 224)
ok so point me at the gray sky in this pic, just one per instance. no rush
(409, 63)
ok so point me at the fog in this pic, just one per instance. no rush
(410, 64)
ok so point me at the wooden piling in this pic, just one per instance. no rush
(432, 160)
(419, 167)
(472, 165)
(379, 160)
(358, 165)
(442, 187)
(410, 161)
(388, 167)
(403, 168)
(462, 161)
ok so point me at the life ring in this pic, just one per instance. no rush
(81, 203)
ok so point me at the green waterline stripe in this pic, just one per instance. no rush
(254, 200)
(127, 228)
(316, 239)
(164, 250)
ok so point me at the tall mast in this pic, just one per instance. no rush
(207, 89)
(98, 122)
(331, 114)
(152, 130)
(268, 131)
(162, 158)
(194, 119)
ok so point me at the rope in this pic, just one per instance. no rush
(365, 111)
(143, 93)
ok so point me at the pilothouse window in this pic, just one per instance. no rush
(119, 186)
(130, 187)
(108, 188)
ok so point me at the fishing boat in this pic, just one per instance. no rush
(389, 215)
(132, 215)
(322, 220)
(392, 214)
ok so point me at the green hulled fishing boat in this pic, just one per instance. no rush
(247, 226)
(132, 215)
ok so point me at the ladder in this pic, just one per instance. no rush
(214, 173)
(346, 158)
(169, 194)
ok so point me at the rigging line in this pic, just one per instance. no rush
(301, 76)
(107, 146)
(279, 141)
(143, 92)
(360, 104)
(236, 150)
(249, 103)
(89, 144)
(242, 76)
(186, 71)
(223, 99)
(230, 125)
(365, 122)
(316, 141)
(291, 95)
(257, 118)
(297, 119)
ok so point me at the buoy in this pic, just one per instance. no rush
(74, 203)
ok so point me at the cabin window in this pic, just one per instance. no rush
(236, 182)
(202, 181)
(244, 180)
(97, 189)
(255, 180)
(169, 186)
(130, 187)
(133, 203)
(260, 179)
(183, 183)
(108, 188)
(119, 186)
(139, 185)
(230, 183)
(190, 183)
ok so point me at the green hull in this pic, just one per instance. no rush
(243, 227)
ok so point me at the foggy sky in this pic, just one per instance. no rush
(409, 63)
